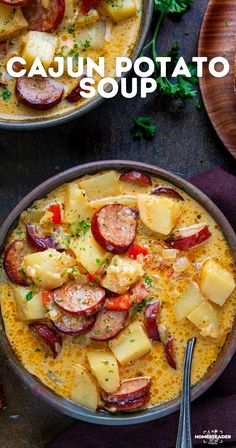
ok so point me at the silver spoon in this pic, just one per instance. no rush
(184, 439)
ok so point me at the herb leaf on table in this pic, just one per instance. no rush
(143, 128)
(174, 6)
(182, 87)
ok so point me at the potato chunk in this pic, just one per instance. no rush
(70, 9)
(26, 308)
(42, 45)
(84, 390)
(216, 282)
(121, 274)
(12, 22)
(190, 299)
(45, 268)
(159, 214)
(86, 20)
(88, 252)
(126, 199)
(131, 344)
(206, 318)
(77, 207)
(92, 37)
(105, 368)
(106, 184)
(119, 10)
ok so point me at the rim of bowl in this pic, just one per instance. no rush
(64, 405)
(95, 102)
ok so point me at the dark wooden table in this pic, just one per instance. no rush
(185, 143)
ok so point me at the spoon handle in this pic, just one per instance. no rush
(184, 431)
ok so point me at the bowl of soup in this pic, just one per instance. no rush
(74, 29)
(108, 269)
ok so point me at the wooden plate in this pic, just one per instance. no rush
(218, 38)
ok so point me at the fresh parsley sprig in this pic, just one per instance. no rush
(143, 128)
(182, 87)
(174, 6)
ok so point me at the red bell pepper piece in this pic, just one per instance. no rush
(137, 249)
(120, 303)
(56, 211)
(89, 4)
(46, 297)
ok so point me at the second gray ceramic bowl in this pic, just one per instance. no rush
(64, 405)
(93, 103)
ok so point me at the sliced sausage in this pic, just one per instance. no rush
(39, 93)
(137, 178)
(12, 260)
(189, 237)
(131, 389)
(151, 315)
(72, 325)
(163, 190)
(129, 405)
(38, 241)
(79, 299)
(75, 94)
(49, 340)
(108, 324)
(14, 3)
(114, 227)
(169, 353)
(44, 16)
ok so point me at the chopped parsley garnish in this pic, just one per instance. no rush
(80, 227)
(5, 94)
(141, 305)
(29, 295)
(148, 281)
(71, 28)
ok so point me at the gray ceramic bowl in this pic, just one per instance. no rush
(64, 405)
(90, 105)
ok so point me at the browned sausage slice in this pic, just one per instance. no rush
(49, 340)
(40, 242)
(129, 405)
(108, 324)
(75, 94)
(79, 299)
(164, 190)
(74, 325)
(15, 2)
(136, 178)
(114, 227)
(12, 260)
(131, 389)
(69, 323)
(44, 16)
(39, 93)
